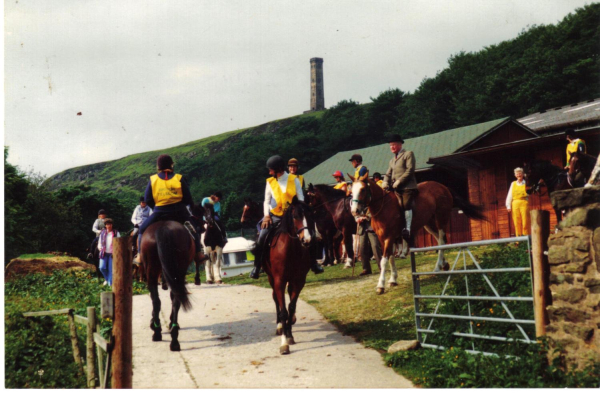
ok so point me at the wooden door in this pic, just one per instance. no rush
(489, 202)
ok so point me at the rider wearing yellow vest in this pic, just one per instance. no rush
(361, 170)
(293, 168)
(516, 202)
(168, 194)
(575, 145)
(280, 189)
(341, 183)
(378, 179)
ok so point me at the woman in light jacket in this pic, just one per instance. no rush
(105, 245)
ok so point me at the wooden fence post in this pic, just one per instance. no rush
(540, 231)
(74, 341)
(122, 370)
(91, 359)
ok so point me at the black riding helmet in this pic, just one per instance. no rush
(164, 161)
(276, 163)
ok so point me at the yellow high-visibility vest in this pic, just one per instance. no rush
(283, 199)
(519, 191)
(356, 173)
(379, 183)
(300, 178)
(166, 192)
(573, 147)
(340, 185)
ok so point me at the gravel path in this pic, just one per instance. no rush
(228, 341)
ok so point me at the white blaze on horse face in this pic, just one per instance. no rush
(306, 231)
(356, 187)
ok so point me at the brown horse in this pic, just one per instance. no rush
(538, 172)
(251, 215)
(167, 249)
(337, 205)
(287, 263)
(332, 237)
(432, 209)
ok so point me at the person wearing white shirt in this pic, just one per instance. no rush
(280, 190)
(105, 246)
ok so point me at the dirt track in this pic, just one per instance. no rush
(228, 341)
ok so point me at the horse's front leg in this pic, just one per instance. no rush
(197, 277)
(174, 325)
(217, 265)
(349, 244)
(283, 315)
(155, 321)
(394, 275)
(208, 266)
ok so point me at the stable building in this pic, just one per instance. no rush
(478, 163)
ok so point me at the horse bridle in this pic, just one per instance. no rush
(370, 195)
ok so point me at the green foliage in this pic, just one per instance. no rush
(38, 350)
(516, 367)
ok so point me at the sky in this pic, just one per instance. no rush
(147, 74)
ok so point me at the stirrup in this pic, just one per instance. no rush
(188, 225)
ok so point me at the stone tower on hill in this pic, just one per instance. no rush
(317, 97)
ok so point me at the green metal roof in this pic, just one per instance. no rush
(376, 158)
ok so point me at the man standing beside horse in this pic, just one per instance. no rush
(400, 177)
(280, 190)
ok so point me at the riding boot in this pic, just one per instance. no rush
(202, 257)
(408, 214)
(314, 251)
(255, 273)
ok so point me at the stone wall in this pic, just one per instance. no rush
(574, 259)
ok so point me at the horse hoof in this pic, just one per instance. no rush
(175, 347)
(210, 282)
(219, 282)
(393, 284)
(446, 266)
(284, 350)
(164, 286)
(380, 291)
(157, 336)
(197, 281)
(291, 341)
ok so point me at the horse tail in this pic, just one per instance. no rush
(470, 210)
(166, 245)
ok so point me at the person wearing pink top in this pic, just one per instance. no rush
(105, 246)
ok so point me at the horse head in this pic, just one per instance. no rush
(209, 215)
(299, 220)
(361, 195)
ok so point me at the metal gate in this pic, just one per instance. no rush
(463, 255)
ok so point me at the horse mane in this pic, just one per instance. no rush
(287, 220)
(329, 192)
(198, 210)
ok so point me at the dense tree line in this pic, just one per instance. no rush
(544, 67)
(37, 220)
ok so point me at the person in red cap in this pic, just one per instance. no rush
(168, 195)
(341, 184)
(400, 177)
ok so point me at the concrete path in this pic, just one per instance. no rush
(228, 341)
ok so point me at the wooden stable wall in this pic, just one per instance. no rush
(489, 185)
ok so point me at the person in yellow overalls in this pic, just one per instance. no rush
(280, 190)
(341, 183)
(293, 168)
(516, 203)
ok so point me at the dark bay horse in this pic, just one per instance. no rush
(325, 226)
(251, 215)
(168, 249)
(287, 263)
(432, 209)
(337, 205)
(556, 178)
(214, 241)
